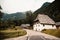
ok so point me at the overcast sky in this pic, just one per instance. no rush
(12, 6)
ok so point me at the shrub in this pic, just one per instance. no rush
(44, 30)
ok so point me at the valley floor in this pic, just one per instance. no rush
(34, 35)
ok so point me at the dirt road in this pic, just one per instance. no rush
(34, 35)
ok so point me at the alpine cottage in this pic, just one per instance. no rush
(43, 22)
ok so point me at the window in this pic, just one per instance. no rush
(43, 25)
(52, 25)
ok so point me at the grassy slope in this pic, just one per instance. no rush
(10, 33)
(54, 32)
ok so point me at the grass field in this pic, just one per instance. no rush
(10, 33)
(54, 32)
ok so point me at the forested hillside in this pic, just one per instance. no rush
(52, 10)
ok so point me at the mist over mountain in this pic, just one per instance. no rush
(14, 16)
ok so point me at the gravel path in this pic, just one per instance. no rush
(34, 35)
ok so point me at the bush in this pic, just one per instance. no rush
(44, 30)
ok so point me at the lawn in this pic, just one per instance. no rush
(54, 32)
(10, 33)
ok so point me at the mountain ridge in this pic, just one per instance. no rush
(14, 16)
(52, 10)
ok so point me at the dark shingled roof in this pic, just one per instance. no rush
(44, 19)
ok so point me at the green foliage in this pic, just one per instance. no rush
(10, 24)
(29, 17)
(12, 20)
(1, 13)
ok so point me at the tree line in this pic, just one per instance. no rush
(12, 23)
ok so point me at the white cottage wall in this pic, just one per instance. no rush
(40, 27)
(50, 27)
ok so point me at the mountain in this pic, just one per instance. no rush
(14, 16)
(1, 13)
(0, 7)
(42, 8)
(52, 10)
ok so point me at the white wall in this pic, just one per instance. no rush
(40, 27)
(50, 27)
